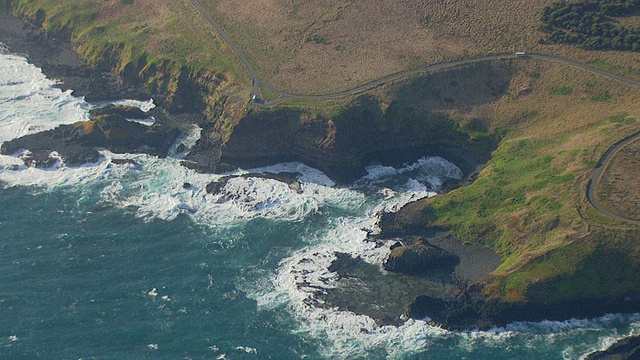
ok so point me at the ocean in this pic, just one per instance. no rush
(135, 260)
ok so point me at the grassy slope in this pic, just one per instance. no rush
(154, 41)
(320, 46)
(528, 203)
(620, 186)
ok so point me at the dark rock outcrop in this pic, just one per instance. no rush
(472, 309)
(76, 143)
(625, 349)
(420, 258)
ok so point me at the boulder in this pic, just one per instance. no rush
(129, 112)
(625, 349)
(76, 144)
(420, 258)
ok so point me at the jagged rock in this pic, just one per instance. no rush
(215, 187)
(343, 264)
(75, 144)
(473, 308)
(425, 306)
(625, 349)
(128, 112)
(420, 258)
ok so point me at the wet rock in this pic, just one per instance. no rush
(427, 307)
(76, 144)
(181, 148)
(625, 349)
(420, 258)
(215, 187)
(344, 264)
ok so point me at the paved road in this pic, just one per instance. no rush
(258, 84)
(596, 177)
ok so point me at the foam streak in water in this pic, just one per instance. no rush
(30, 103)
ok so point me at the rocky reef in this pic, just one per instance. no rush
(625, 349)
(76, 144)
(471, 304)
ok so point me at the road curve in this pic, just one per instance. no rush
(258, 84)
(596, 177)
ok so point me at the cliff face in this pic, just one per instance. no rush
(342, 145)
(175, 84)
(364, 131)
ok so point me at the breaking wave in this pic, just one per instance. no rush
(158, 188)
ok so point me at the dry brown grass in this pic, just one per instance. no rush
(359, 41)
(619, 189)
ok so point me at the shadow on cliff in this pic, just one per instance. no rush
(412, 120)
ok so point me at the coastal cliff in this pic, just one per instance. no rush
(363, 131)
(557, 259)
(343, 145)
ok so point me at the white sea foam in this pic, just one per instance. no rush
(306, 173)
(145, 106)
(30, 103)
(425, 175)
(161, 188)
(305, 274)
(142, 105)
(246, 349)
(188, 139)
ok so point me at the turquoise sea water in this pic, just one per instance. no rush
(114, 261)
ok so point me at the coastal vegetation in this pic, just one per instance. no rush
(542, 127)
(162, 45)
(529, 202)
(593, 24)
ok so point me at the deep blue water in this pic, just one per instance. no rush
(123, 262)
(76, 280)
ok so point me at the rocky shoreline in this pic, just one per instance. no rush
(341, 147)
(625, 349)
(109, 128)
(57, 58)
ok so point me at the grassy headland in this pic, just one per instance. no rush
(546, 124)
(163, 45)
(529, 202)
